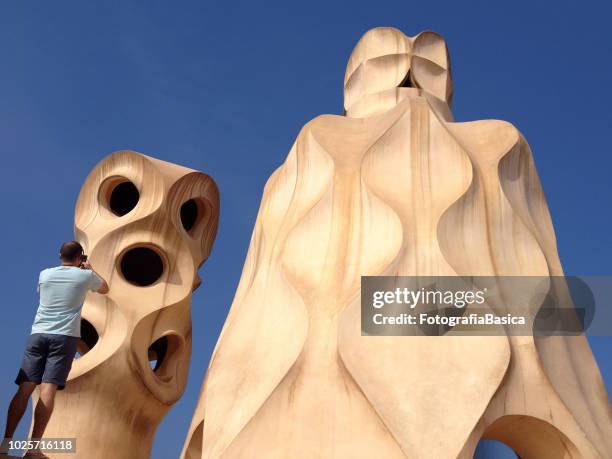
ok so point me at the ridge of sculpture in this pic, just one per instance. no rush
(147, 225)
(395, 187)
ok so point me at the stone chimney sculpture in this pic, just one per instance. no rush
(147, 226)
(396, 188)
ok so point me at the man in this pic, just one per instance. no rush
(53, 342)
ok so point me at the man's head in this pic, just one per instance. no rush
(71, 252)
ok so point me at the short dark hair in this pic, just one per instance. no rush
(71, 250)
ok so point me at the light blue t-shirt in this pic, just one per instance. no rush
(62, 293)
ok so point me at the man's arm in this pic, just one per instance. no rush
(103, 288)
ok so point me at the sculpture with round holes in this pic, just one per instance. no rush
(147, 225)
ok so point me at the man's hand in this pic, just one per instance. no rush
(104, 287)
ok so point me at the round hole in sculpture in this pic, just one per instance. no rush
(162, 354)
(89, 338)
(123, 197)
(142, 266)
(157, 352)
(189, 214)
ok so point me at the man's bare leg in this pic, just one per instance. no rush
(44, 408)
(42, 414)
(16, 410)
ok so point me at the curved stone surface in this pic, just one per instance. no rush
(395, 187)
(147, 225)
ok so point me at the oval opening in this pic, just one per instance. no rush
(142, 266)
(524, 436)
(123, 198)
(89, 338)
(163, 355)
(157, 353)
(493, 449)
(189, 214)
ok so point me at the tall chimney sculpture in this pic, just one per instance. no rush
(396, 188)
(147, 226)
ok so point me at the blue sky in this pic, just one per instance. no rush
(225, 87)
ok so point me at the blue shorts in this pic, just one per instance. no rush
(48, 358)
